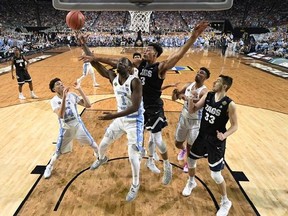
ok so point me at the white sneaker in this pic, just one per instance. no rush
(167, 177)
(224, 208)
(151, 165)
(132, 192)
(181, 154)
(34, 96)
(188, 188)
(156, 156)
(21, 97)
(48, 171)
(98, 163)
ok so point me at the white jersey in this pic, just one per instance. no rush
(71, 127)
(188, 93)
(87, 69)
(123, 95)
(71, 116)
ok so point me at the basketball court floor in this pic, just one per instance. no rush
(256, 171)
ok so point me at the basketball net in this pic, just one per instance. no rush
(140, 20)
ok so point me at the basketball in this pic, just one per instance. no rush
(75, 20)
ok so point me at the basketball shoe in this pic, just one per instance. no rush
(167, 177)
(33, 95)
(98, 163)
(48, 171)
(21, 96)
(132, 192)
(151, 165)
(224, 207)
(190, 185)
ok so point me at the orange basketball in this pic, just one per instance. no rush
(75, 20)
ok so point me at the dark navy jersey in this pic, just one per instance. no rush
(19, 63)
(148, 74)
(215, 115)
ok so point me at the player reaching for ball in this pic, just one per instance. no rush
(152, 75)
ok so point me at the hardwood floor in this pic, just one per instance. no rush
(258, 148)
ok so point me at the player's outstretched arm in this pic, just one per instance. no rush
(87, 51)
(193, 107)
(174, 58)
(84, 101)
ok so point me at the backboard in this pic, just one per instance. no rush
(143, 5)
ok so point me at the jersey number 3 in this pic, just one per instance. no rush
(210, 118)
(142, 80)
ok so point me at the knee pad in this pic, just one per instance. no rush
(191, 163)
(157, 138)
(162, 147)
(217, 177)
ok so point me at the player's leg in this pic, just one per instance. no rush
(191, 183)
(151, 149)
(64, 138)
(157, 139)
(84, 73)
(133, 154)
(84, 136)
(134, 132)
(112, 133)
(28, 79)
(20, 87)
(149, 119)
(156, 130)
(33, 95)
(181, 134)
(198, 150)
(20, 80)
(216, 151)
(194, 126)
(95, 84)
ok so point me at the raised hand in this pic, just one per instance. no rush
(86, 58)
(199, 28)
(65, 91)
(82, 38)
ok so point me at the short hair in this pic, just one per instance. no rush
(227, 81)
(136, 54)
(157, 47)
(206, 71)
(52, 83)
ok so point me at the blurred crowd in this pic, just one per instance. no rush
(170, 28)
